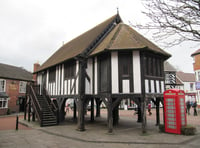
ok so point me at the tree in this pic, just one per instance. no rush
(175, 21)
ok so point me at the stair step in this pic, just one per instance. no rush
(49, 118)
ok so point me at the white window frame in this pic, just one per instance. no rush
(3, 103)
(2, 88)
(22, 87)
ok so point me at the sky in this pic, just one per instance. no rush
(32, 30)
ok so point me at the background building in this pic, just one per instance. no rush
(180, 80)
(186, 82)
(196, 66)
(13, 81)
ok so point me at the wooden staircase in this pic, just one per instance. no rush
(44, 109)
(49, 118)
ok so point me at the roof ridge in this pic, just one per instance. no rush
(81, 45)
(114, 36)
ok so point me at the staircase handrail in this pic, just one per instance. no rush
(51, 103)
(36, 104)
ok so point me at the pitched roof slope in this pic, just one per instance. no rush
(77, 45)
(12, 72)
(186, 77)
(125, 37)
(168, 67)
(120, 37)
(196, 52)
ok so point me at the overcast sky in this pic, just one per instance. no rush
(32, 30)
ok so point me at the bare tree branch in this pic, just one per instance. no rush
(173, 21)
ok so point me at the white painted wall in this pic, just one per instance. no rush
(114, 72)
(95, 77)
(125, 86)
(136, 72)
(88, 85)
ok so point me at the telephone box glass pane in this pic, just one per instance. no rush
(170, 113)
(182, 111)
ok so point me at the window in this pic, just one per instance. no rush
(154, 66)
(191, 86)
(70, 69)
(198, 76)
(52, 74)
(2, 85)
(125, 64)
(3, 103)
(125, 71)
(22, 87)
(104, 73)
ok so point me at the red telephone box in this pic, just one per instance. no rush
(174, 110)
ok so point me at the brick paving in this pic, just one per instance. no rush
(127, 134)
(9, 123)
(191, 120)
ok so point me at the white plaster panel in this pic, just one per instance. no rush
(162, 87)
(95, 77)
(69, 86)
(47, 80)
(56, 82)
(77, 71)
(54, 88)
(152, 86)
(72, 84)
(62, 80)
(157, 86)
(65, 87)
(88, 85)
(115, 72)
(136, 72)
(126, 86)
(146, 86)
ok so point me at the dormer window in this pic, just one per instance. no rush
(2, 85)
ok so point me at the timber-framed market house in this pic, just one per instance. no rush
(108, 63)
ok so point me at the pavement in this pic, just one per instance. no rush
(126, 134)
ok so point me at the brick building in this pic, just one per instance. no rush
(196, 68)
(13, 82)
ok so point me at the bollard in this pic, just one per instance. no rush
(17, 121)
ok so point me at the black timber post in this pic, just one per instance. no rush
(98, 103)
(157, 111)
(110, 115)
(143, 98)
(74, 109)
(81, 91)
(29, 109)
(33, 116)
(116, 114)
(92, 110)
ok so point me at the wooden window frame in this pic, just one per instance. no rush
(52, 74)
(2, 85)
(69, 70)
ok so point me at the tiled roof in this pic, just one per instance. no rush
(125, 37)
(12, 72)
(119, 38)
(168, 67)
(178, 82)
(186, 77)
(77, 45)
(196, 52)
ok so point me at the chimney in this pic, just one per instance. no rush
(35, 68)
